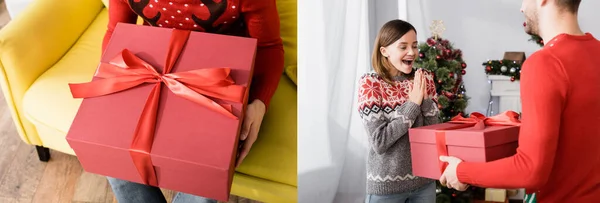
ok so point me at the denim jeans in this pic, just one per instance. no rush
(425, 194)
(130, 192)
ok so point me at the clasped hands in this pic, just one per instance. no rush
(418, 91)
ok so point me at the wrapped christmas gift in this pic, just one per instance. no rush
(472, 139)
(165, 109)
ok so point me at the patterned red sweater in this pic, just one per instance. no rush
(250, 18)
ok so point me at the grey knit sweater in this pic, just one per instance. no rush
(387, 115)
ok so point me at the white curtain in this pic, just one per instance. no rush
(332, 146)
(335, 39)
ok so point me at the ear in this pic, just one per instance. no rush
(383, 51)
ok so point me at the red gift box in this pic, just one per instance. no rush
(473, 139)
(165, 109)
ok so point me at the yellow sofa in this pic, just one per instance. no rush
(53, 43)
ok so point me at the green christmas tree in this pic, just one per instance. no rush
(446, 195)
(438, 56)
(537, 39)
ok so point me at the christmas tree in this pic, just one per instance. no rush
(438, 56)
(537, 39)
(446, 195)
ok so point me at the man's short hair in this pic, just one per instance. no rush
(569, 5)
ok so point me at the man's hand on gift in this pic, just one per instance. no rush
(251, 124)
(449, 177)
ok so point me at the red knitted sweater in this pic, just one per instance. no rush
(559, 141)
(249, 18)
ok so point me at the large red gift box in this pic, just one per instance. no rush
(165, 109)
(473, 139)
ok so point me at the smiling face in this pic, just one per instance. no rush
(394, 49)
(401, 53)
(530, 10)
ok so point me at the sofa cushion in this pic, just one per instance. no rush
(48, 101)
(288, 20)
(273, 155)
(49, 104)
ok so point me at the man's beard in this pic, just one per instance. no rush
(532, 24)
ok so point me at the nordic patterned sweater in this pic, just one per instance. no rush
(387, 114)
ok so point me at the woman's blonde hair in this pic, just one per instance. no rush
(388, 34)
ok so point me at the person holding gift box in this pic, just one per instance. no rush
(393, 99)
(558, 156)
(256, 19)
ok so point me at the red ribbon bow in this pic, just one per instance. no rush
(127, 71)
(509, 118)
(477, 121)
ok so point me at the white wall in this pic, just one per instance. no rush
(470, 25)
(380, 12)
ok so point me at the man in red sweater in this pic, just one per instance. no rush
(559, 143)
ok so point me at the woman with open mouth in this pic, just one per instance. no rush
(391, 100)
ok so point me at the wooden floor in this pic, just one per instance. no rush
(25, 179)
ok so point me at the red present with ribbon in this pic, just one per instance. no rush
(165, 109)
(472, 139)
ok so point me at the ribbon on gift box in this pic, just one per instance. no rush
(127, 71)
(477, 121)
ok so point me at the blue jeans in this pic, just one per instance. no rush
(425, 194)
(130, 192)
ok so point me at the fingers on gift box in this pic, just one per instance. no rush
(164, 109)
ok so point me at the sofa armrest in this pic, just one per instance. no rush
(33, 42)
(38, 37)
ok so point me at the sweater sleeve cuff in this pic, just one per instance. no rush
(462, 173)
(411, 109)
(264, 97)
(427, 105)
(263, 92)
